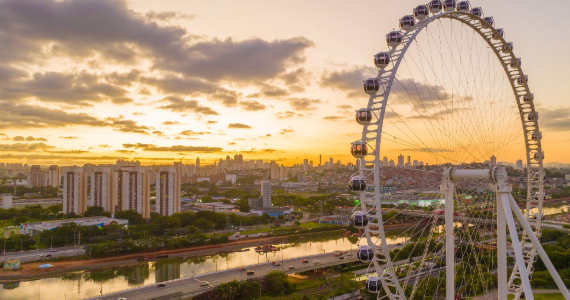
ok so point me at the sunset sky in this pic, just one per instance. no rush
(97, 80)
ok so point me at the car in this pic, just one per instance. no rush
(161, 285)
(204, 283)
(250, 272)
(341, 257)
(246, 235)
(52, 250)
(121, 298)
(277, 264)
(349, 254)
(260, 234)
(305, 261)
(47, 255)
(291, 268)
(242, 269)
(316, 262)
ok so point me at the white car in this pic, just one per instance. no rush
(204, 283)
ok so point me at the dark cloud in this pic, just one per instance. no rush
(158, 132)
(69, 137)
(30, 116)
(126, 151)
(120, 124)
(28, 139)
(304, 103)
(68, 152)
(180, 85)
(176, 148)
(557, 119)
(126, 79)
(170, 123)
(60, 157)
(25, 147)
(274, 91)
(167, 16)
(239, 125)
(252, 105)
(227, 97)
(178, 104)
(349, 81)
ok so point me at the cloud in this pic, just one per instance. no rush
(126, 151)
(344, 106)
(557, 119)
(349, 81)
(104, 146)
(333, 118)
(170, 123)
(178, 104)
(273, 91)
(167, 16)
(32, 116)
(68, 152)
(25, 147)
(304, 103)
(285, 131)
(59, 157)
(138, 114)
(192, 133)
(176, 148)
(227, 97)
(68, 137)
(28, 139)
(158, 132)
(252, 105)
(288, 114)
(239, 125)
(120, 124)
(231, 143)
(212, 122)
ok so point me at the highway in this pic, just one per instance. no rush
(189, 285)
(33, 255)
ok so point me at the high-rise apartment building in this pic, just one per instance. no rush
(283, 172)
(519, 164)
(493, 161)
(274, 170)
(305, 165)
(168, 191)
(400, 160)
(74, 191)
(385, 162)
(197, 163)
(102, 188)
(409, 161)
(36, 177)
(266, 192)
(53, 176)
(132, 190)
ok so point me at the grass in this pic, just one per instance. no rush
(313, 225)
(544, 297)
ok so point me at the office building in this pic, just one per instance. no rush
(101, 189)
(266, 192)
(53, 176)
(74, 191)
(167, 191)
(132, 190)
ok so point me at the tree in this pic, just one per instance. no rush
(134, 217)
(243, 205)
(203, 224)
(297, 223)
(95, 211)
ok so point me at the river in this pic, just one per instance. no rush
(80, 285)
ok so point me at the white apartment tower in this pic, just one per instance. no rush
(519, 164)
(132, 190)
(167, 191)
(400, 160)
(74, 191)
(266, 192)
(102, 188)
(53, 176)
(385, 162)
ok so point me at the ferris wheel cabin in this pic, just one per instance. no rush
(371, 86)
(421, 12)
(526, 98)
(505, 48)
(490, 21)
(478, 11)
(500, 33)
(381, 60)
(365, 253)
(359, 149)
(522, 80)
(435, 6)
(464, 6)
(363, 116)
(407, 22)
(394, 38)
(374, 284)
(515, 63)
(449, 5)
(357, 184)
(359, 219)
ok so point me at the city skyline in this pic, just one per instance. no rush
(290, 95)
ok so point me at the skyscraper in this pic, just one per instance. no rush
(409, 161)
(266, 192)
(274, 169)
(132, 190)
(53, 176)
(101, 187)
(167, 191)
(400, 160)
(36, 177)
(493, 161)
(305, 165)
(198, 163)
(74, 191)
(519, 164)
(385, 162)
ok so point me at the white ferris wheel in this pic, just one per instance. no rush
(451, 92)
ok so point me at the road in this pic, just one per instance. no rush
(32, 255)
(188, 285)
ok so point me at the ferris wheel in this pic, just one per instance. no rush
(451, 93)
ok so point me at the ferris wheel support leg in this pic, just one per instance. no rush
(502, 253)
(449, 242)
(539, 249)
(504, 192)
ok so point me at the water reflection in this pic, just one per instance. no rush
(86, 284)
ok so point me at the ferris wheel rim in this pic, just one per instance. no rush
(533, 163)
